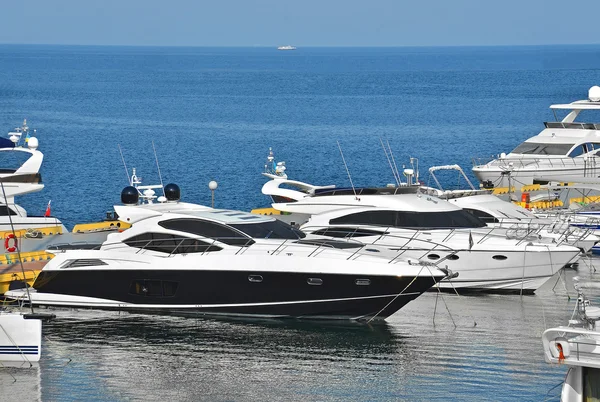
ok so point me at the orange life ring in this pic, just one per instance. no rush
(12, 248)
(561, 355)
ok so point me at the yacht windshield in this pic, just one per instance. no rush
(270, 230)
(534, 148)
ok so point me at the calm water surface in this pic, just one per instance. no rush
(494, 353)
(213, 114)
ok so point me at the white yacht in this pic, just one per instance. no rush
(406, 224)
(287, 47)
(194, 260)
(484, 258)
(577, 346)
(565, 151)
(20, 181)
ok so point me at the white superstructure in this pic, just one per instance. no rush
(564, 151)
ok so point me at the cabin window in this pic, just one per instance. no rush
(279, 199)
(410, 219)
(533, 148)
(170, 244)
(153, 288)
(578, 151)
(5, 211)
(330, 243)
(347, 232)
(484, 216)
(208, 229)
(274, 229)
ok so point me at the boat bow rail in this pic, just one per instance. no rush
(579, 346)
(180, 246)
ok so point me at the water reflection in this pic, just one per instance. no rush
(222, 359)
(493, 353)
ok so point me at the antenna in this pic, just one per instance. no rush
(389, 162)
(346, 166)
(158, 167)
(124, 164)
(393, 160)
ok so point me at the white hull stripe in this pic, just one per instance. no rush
(66, 300)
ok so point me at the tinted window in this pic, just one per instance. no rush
(270, 230)
(4, 211)
(376, 218)
(330, 243)
(208, 229)
(347, 232)
(168, 243)
(579, 150)
(542, 149)
(408, 219)
(484, 216)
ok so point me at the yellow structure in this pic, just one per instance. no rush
(540, 204)
(51, 230)
(10, 267)
(100, 226)
(268, 211)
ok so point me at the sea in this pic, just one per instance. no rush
(190, 115)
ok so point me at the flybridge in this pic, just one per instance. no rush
(592, 103)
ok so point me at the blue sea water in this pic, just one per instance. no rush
(213, 113)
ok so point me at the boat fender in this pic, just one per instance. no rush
(560, 349)
(7, 246)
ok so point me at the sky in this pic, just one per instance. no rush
(299, 23)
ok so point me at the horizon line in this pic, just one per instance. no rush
(301, 46)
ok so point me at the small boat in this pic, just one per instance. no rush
(565, 151)
(287, 47)
(577, 346)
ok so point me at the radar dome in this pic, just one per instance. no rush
(594, 94)
(130, 195)
(172, 192)
(33, 143)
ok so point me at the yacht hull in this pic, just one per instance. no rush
(484, 271)
(493, 263)
(239, 293)
(20, 339)
(496, 174)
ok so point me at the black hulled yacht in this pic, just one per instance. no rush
(180, 258)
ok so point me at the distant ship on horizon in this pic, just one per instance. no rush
(288, 47)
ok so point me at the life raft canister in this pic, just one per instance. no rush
(7, 246)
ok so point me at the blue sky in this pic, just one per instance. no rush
(300, 22)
